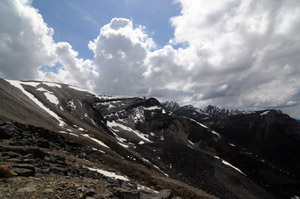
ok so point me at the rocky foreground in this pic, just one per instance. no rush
(45, 165)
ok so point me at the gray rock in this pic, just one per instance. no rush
(89, 197)
(59, 171)
(48, 190)
(165, 193)
(25, 166)
(24, 172)
(125, 193)
(90, 192)
(57, 196)
(26, 190)
(11, 154)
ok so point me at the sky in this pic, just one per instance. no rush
(231, 53)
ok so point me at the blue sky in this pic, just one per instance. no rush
(78, 21)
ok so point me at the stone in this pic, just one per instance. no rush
(11, 154)
(24, 172)
(125, 193)
(13, 160)
(58, 171)
(57, 196)
(48, 190)
(90, 192)
(25, 166)
(165, 193)
(89, 197)
(26, 190)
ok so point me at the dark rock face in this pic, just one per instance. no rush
(171, 105)
(270, 134)
(192, 112)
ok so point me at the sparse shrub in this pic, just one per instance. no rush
(5, 172)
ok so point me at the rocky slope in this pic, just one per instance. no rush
(272, 135)
(171, 105)
(133, 147)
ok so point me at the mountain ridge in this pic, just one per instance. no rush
(190, 157)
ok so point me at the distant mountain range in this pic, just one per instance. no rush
(137, 147)
(209, 112)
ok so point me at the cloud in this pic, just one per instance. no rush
(119, 54)
(26, 44)
(249, 46)
(236, 54)
(25, 40)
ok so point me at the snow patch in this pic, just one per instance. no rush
(98, 150)
(141, 142)
(295, 197)
(141, 187)
(18, 85)
(197, 122)
(190, 144)
(114, 124)
(152, 108)
(69, 133)
(42, 89)
(52, 98)
(265, 113)
(160, 170)
(228, 164)
(81, 129)
(215, 133)
(109, 97)
(123, 145)
(73, 134)
(49, 95)
(109, 174)
(95, 140)
(231, 144)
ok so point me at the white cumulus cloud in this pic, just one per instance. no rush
(26, 44)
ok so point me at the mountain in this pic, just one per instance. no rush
(272, 135)
(190, 111)
(171, 105)
(77, 144)
(219, 113)
(201, 115)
